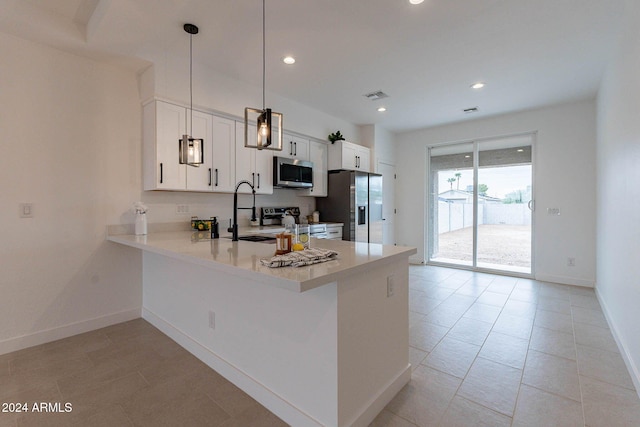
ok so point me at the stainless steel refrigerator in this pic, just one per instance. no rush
(355, 199)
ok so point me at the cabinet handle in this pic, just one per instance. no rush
(258, 181)
(160, 173)
(295, 148)
(209, 177)
(291, 148)
(253, 178)
(216, 177)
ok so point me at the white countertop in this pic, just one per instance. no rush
(243, 258)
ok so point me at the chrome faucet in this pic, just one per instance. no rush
(234, 227)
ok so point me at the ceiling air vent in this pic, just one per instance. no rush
(374, 96)
(470, 110)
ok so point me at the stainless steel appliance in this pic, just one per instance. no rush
(355, 199)
(273, 216)
(292, 173)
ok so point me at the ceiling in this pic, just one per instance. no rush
(530, 53)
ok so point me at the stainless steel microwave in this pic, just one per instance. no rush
(292, 173)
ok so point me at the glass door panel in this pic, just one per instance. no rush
(451, 213)
(504, 193)
(479, 203)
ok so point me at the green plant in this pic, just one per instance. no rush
(337, 136)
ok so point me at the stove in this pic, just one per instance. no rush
(273, 215)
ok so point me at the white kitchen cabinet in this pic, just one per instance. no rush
(199, 177)
(294, 147)
(334, 231)
(319, 155)
(223, 154)
(255, 166)
(349, 156)
(163, 126)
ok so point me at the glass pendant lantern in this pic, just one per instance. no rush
(268, 133)
(191, 150)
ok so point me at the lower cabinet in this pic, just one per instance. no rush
(334, 232)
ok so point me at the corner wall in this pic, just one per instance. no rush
(564, 178)
(618, 149)
(71, 146)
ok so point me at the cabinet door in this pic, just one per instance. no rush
(294, 147)
(245, 159)
(349, 156)
(223, 177)
(255, 166)
(199, 177)
(318, 154)
(170, 126)
(363, 159)
(263, 178)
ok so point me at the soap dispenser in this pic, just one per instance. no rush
(215, 231)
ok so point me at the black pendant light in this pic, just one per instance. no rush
(191, 149)
(268, 134)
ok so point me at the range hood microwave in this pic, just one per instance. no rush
(292, 173)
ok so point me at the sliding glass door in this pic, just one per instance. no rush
(479, 209)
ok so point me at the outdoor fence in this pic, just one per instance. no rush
(454, 216)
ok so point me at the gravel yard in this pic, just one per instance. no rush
(508, 245)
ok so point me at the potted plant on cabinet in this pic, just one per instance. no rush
(337, 136)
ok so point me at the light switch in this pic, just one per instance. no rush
(26, 210)
(553, 211)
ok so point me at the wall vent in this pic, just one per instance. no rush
(374, 96)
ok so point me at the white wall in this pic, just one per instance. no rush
(71, 146)
(564, 178)
(618, 149)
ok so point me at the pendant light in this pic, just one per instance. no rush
(191, 149)
(267, 121)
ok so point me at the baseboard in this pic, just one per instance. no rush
(628, 361)
(377, 404)
(65, 331)
(269, 399)
(565, 280)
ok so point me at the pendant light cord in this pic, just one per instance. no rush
(191, 83)
(264, 68)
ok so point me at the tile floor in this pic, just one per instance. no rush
(492, 350)
(486, 350)
(128, 374)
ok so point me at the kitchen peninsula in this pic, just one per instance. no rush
(321, 345)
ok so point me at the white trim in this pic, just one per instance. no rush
(634, 372)
(276, 404)
(65, 331)
(565, 280)
(377, 404)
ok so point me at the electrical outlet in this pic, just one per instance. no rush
(391, 286)
(571, 262)
(212, 319)
(182, 209)
(553, 211)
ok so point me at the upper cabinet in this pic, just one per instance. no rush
(349, 156)
(255, 166)
(163, 126)
(319, 155)
(294, 147)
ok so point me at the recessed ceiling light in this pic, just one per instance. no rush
(382, 109)
(415, 1)
(520, 150)
(289, 60)
(478, 85)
